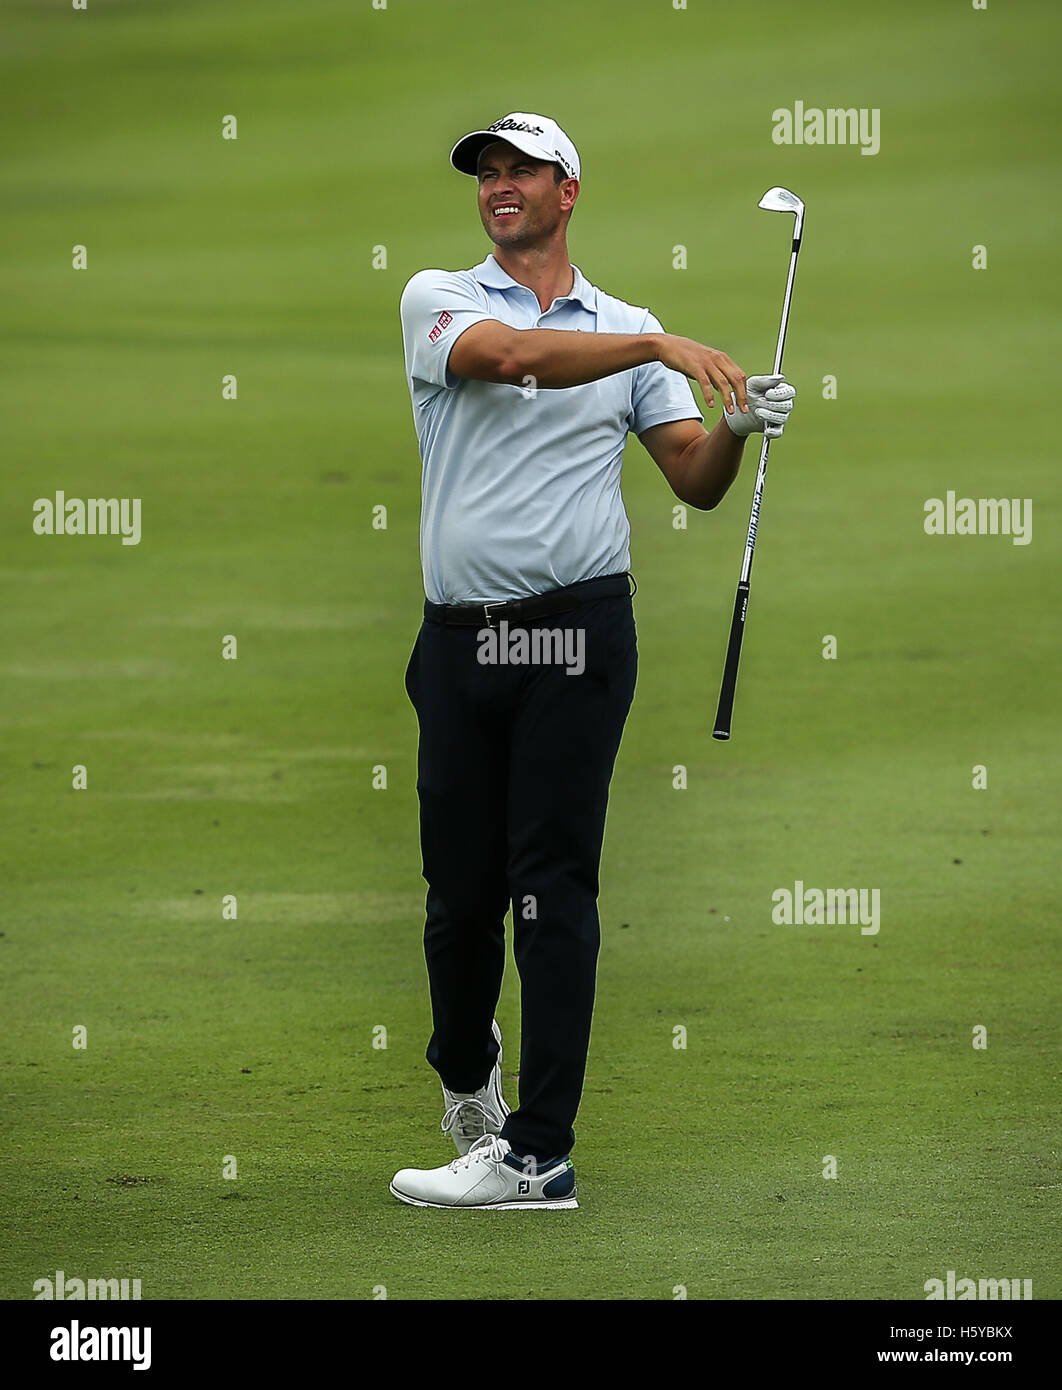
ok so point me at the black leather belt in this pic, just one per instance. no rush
(522, 610)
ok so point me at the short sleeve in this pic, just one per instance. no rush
(437, 306)
(660, 394)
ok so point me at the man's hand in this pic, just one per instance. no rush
(770, 401)
(711, 369)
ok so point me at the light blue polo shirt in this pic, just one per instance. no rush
(521, 488)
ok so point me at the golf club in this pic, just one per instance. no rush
(774, 200)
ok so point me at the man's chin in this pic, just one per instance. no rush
(509, 239)
(504, 233)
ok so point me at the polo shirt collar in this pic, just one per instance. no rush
(490, 273)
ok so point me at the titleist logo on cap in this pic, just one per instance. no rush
(507, 124)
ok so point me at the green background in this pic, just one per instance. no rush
(253, 1038)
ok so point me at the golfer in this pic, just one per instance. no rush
(525, 381)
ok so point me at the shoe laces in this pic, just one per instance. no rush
(468, 1116)
(490, 1148)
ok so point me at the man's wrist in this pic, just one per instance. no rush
(727, 430)
(655, 345)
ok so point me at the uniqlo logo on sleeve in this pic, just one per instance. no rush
(444, 321)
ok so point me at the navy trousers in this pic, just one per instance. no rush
(513, 771)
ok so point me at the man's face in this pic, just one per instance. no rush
(510, 179)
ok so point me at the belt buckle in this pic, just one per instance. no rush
(486, 612)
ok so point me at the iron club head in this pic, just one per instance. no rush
(781, 200)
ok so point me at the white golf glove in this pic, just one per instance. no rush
(770, 401)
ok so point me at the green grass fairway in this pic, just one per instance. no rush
(211, 1039)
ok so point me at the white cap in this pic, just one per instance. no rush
(538, 136)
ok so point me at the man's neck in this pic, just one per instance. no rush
(547, 273)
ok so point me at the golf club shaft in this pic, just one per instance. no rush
(725, 709)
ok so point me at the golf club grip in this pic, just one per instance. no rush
(724, 712)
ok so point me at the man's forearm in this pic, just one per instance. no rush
(557, 358)
(712, 463)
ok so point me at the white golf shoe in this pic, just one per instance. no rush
(472, 1114)
(489, 1176)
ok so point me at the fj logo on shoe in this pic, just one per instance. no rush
(523, 1187)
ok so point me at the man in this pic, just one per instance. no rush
(525, 382)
